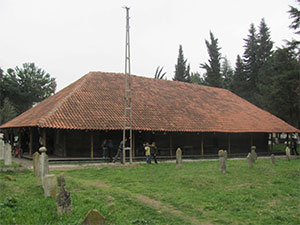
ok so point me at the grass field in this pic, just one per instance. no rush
(162, 194)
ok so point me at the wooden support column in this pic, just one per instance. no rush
(133, 144)
(272, 141)
(44, 137)
(202, 144)
(229, 144)
(251, 139)
(171, 145)
(65, 144)
(30, 141)
(92, 145)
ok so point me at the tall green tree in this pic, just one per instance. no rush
(282, 97)
(227, 73)
(182, 71)
(213, 75)
(239, 83)
(27, 85)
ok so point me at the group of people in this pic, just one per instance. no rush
(150, 152)
(107, 149)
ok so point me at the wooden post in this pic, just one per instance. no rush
(133, 144)
(229, 144)
(30, 141)
(171, 147)
(92, 145)
(272, 142)
(44, 137)
(251, 139)
(202, 144)
(65, 144)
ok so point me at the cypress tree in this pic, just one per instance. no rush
(182, 72)
(213, 68)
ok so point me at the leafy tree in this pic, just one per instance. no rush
(284, 89)
(7, 111)
(159, 74)
(213, 67)
(182, 71)
(27, 85)
(227, 74)
(196, 78)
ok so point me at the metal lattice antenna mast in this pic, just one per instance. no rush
(127, 97)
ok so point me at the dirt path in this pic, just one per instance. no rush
(157, 205)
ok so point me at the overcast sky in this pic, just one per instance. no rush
(69, 38)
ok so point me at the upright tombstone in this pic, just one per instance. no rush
(250, 160)
(253, 153)
(49, 185)
(1, 149)
(36, 164)
(222, 158)
(63, 198)
(273, 159)
(178, 158)
(288, 153)
(93, 217)
(44, 164)
(7, 154)
(225, 154)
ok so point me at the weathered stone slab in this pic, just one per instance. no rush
(93, 217)
(250, 160)
(222, 164)
(49, 185)
(1, 149)
(222, 160)
(253, 153)
(44, 164)
(63, 198)
(7, 154)
(178, 158)
(288, 153)
(36, 164)
(273, 159)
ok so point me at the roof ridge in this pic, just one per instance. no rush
(43, 121)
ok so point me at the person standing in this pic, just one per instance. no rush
(110, 148)
(120, 152)
(154, 152)
(104, 148)
(148, 153)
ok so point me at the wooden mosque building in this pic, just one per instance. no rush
(200, 119)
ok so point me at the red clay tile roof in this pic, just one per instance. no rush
(95, 102)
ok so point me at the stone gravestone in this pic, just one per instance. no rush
(44, 165)
(93, 217)
(225, 154)
(1, 149)
(273, 159)
(178, 158)
(250, 160)
(253, 153)
(36, 164)
(222, 158)
(63, 198)
(49, 185)
(7, 154)
(288, 153)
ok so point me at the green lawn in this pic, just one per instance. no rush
(162, 194)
